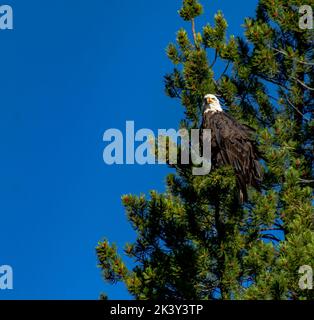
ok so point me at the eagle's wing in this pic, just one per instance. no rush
(233, 144)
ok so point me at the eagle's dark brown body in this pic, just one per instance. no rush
(233, 144)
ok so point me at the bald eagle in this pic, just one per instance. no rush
(232, 144)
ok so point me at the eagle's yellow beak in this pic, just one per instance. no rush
(209, 100)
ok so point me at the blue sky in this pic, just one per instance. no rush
(70, 70)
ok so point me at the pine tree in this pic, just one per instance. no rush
(195, 241)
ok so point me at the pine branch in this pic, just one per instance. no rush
(302, 83)
(270, 237)
(306, 181)
(287, 55)
(294, 107)
(194, 33)
(225, 70)
(215, 59)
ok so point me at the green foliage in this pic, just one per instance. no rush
(214, 37)
(190, 10)
(195, 241)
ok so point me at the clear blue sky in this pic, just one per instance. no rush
(70, 70)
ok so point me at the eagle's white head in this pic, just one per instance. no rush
(211, 104)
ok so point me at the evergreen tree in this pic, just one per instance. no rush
(196, 241)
